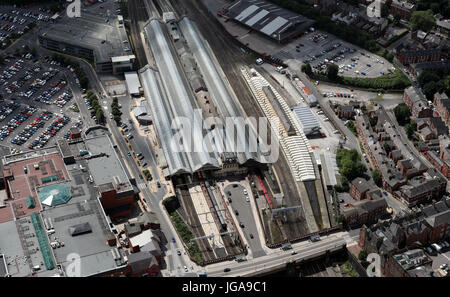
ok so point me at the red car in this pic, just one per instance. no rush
(324, 135)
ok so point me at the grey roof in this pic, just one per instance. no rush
(439, 218)
(170, 98)
(223, 97)
(268, 18)
(95, 255)
(420, 188)
(141, 260)
(12, 249)
(361, 184)
(79, 229)
(104, 164)
(133, 83)
(307, 119)
(88, 31)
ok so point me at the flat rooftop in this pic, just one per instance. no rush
(95, 255)
(50, 170)
(89, 31)
(106, 167)
(20, 251)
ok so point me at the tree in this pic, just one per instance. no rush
(332, 71)
(377, 178)
(397, 18)
(427, 76)
(362, 256)
(306, 68)
(340, 219)
(402, 113)
(430, 88)
(100, 116)
(384, 11)
(411, 128)
(351, 169)
(422, 20)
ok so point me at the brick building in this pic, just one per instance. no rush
(416, 101)
(442, 104)
(359, 188)
(365, 212)
(403, 8)
(400, 236)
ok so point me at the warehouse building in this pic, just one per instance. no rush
(133, 83)
(269, 19)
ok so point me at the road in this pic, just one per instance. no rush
(303, 250)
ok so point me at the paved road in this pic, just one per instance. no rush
(245, 216)
(304, 249)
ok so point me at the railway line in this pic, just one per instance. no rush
(231, 58)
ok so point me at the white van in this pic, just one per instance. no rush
(437, 247)
(259, 61)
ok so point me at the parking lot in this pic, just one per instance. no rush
(15, 21)
(37, 103)
(321, 49)
(315, 47)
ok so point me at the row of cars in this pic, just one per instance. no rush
(16, 121)
(342, 95)
(47, 95)
(7, 109)
(336, 57)
(32, 128)
(8, 73)
(50, 132)
(34, 15)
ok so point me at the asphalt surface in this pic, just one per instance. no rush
(303, 250)
(245, 217)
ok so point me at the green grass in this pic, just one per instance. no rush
(186, 235)
(349, 270)
(276, 234)
(351, 126)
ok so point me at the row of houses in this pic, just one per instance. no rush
(403, 174)
(401, 240)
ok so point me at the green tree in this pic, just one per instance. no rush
(397, 18)
(100, 116)
(362, 256)
(384, 11)
(402, 113)
(332, 72)
(422, 20)
(427, 76)
(430, 88)
(411, 128)
(377, 178)
(306, 68)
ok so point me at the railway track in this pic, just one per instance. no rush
(138, 13)
(231, 58)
